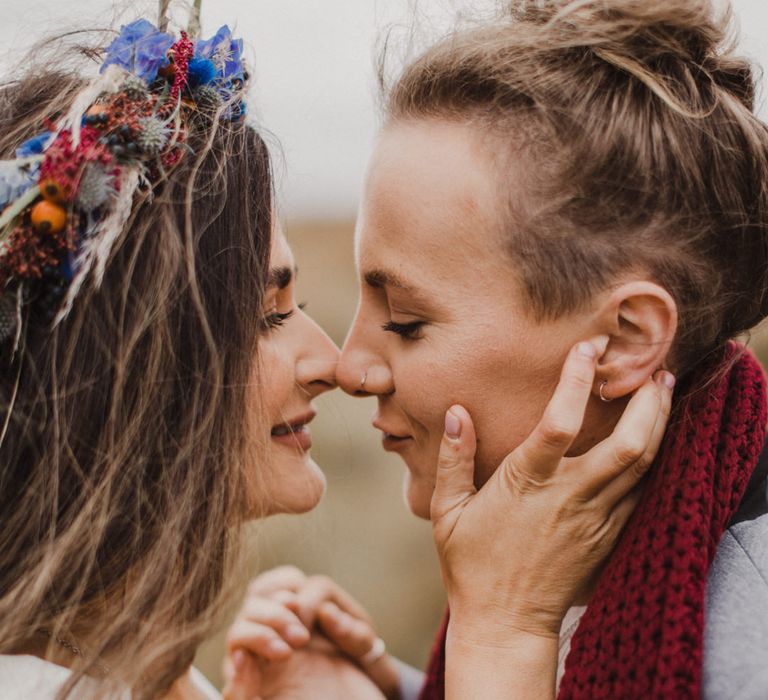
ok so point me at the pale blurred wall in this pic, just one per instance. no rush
(313, 69)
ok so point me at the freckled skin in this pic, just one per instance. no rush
(430, 215)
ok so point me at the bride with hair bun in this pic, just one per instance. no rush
(594, 172)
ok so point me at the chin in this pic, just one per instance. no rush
(298, 487)
(418, 495)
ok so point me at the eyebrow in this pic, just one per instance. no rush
(281, 277)
(383, 278)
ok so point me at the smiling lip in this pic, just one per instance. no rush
(295, 433)
(391, 441)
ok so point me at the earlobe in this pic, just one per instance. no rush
(641, 318)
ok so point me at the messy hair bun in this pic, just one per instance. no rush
(636, 120)
(636, 34)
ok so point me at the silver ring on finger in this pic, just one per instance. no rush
(374, 654)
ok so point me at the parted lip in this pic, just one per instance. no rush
(296, 422)
(389, 431)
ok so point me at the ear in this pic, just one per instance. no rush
(640, 318)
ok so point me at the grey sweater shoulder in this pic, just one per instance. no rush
(736, 612)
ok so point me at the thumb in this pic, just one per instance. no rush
(242, 676)
(454, 480)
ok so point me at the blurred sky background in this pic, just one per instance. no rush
(314, 76)
(314, 89)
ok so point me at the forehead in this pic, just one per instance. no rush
(281, 254)
(431, 200)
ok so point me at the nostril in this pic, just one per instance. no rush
(361, 393)
(322, 383)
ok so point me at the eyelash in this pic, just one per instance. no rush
(407, 331)
(275, 320)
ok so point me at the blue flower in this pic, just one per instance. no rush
(202, 71)
(225, 52)
(140, 48)
(15, 180)
(34, 146)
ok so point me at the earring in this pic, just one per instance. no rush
(600, 391)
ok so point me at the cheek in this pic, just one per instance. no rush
(429, 379)
(276, 380)
(426, 385)
(504, 386)
(509, 411)
(501, 424)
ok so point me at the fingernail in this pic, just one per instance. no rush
(296, 632)
(238, 660)
(587, 350)
(452, 425)
(279, 646)
(669, 380)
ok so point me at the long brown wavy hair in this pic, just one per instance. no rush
(123, 470)
(635, 143)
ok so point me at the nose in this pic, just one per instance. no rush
(316, 366)
(362, 369)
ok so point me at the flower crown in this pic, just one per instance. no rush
(67, 195)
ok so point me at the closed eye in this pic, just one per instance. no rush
(275, 320)
(408, 331)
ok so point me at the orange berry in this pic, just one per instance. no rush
(97, 109)
(52, 191)
(48, 217)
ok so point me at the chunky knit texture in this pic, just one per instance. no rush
(642, 634)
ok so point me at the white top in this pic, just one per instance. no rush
(567, 629)
(24, 677)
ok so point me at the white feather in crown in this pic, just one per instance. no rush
(95, 250)
(109, 81)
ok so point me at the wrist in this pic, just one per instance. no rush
(499, 639)
(493, 627)
(513, 664)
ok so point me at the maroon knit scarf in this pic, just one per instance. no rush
(642, 634)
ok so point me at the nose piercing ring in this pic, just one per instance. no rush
(363, 378)
(600, 391)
